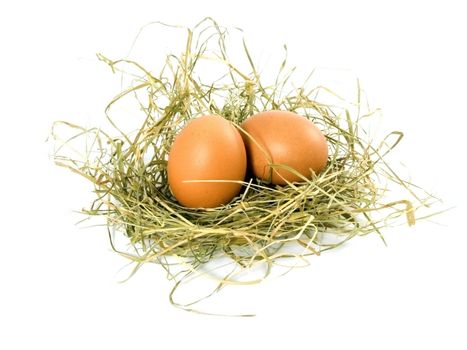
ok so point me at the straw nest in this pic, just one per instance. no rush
(265, 223)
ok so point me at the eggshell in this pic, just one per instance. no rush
(286, 138)
(208, 148)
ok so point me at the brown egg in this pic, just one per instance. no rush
(208, 148)
(285, 138)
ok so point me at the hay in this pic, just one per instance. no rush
(265, 223)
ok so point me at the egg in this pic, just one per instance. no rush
(208, 148)
(285, 138)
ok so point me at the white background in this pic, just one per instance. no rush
(59, 283)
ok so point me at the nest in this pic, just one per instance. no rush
(265, 224)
